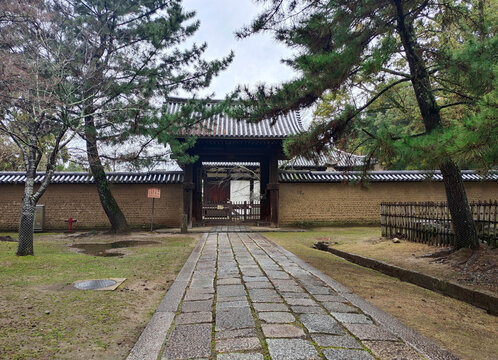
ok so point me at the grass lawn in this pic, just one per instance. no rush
(465, 330)
(82, 324)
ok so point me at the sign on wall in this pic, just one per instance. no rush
(154, 193)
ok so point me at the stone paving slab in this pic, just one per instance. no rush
(282, 331)
(259, 285)
(230, 290)
(316, 323)
(238, 344)
(244, 298)
(276, 317)
(348, 318)
(189, 341)
(370, 332)
(298, 309)
(240, 356)
(330, 298)
(194, 318)
(194, 296)
(340, 341)
(196, 306)
(292, 349)
(234, 318)
(229, 281)
(295, 295)
(338, 307)
(230, 299)
(346, 354)
(232, 334)
(270, 307)
(300, 301)
(223, 305)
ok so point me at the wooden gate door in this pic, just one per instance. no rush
(217, 207)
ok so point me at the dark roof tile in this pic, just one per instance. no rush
(171, 177)
(288, 176)
(285, 176)
(223, 126)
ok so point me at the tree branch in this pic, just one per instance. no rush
(454, 104)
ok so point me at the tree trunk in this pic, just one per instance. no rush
(461, 215)
(32, 156)
(26, 223)
(109, 204)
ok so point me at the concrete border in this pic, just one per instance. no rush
(425, 346)
(455, 291)
(151, 340)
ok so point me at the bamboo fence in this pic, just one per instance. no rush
(430, 222)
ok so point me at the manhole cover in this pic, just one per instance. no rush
(94, 284)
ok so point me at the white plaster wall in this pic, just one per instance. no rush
(256, 190)
(240, 190)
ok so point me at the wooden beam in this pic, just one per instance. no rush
(197, 194)
(236, 152)
(273, 189)
(188, 187)
(263, 184)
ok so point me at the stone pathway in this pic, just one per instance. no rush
(241, 297)
(230, 228)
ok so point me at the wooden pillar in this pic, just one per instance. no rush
(197, 194)
(273, 190)
(188, 187)
(263, 184)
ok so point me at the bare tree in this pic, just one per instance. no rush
(33, 98)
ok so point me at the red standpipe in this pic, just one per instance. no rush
(70, 222)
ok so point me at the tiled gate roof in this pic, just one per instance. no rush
(223, 126)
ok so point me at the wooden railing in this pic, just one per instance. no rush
(430, 222)
(231, 211)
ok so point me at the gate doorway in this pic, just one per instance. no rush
(230, 196)
(232, 140)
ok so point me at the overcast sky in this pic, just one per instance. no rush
(257, 59)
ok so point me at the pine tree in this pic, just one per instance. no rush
(130, 58)
(367, 49)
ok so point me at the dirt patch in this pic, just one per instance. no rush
(475, 268)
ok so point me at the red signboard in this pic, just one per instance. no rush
(154, 193)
